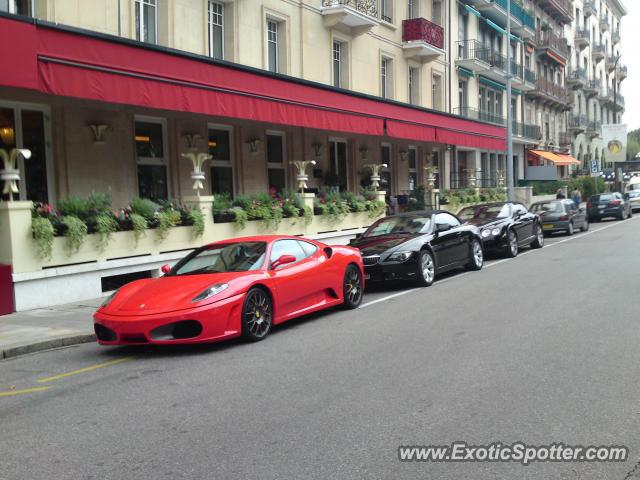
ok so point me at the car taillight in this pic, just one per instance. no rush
(615, 202)
(564, 218)
(589, 205)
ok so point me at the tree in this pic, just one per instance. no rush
(633, 143)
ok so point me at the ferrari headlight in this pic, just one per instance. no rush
(107, 300)
(210, 292)
(486, 233)
(495, 232)
(399, 257)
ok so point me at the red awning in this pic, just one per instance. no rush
(66, 62)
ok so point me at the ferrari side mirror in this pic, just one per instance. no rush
(165, 269)
(283, 260)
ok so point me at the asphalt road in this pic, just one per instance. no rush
(541, 349)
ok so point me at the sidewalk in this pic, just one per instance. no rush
(45, 328)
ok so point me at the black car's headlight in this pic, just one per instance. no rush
(486, 233)
(210, 292)
(399, 256)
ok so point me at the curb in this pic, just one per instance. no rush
(47, 345)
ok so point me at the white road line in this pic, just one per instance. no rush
(440, 282)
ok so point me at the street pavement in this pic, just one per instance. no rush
(542, 348)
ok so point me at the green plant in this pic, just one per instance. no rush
(98, 203)
(308, 215)
(166, 220)
(332, 209)
(376, 208)
(197, 219)
(42, 230)
(240, 217)
(140, 226)
(74, 207)
(221, 203)
(145, 208)
(76, 233)
(106, 225)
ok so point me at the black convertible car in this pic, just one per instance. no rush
(418, 246)
(504, 226)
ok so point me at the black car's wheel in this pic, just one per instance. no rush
(477, 256)
(426, 269)
(570, 230)
(585, 225)
(538, 241)
(257, 315)
(623, 215)
(630, 212)
(511, 250)
(352, 287)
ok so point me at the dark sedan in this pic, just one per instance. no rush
(561, 216)
(417, 246)
(608, 205)
(505, 227)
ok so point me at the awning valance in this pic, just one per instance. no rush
(557, 158)
(568, 159)
(465, 72)
(492, 83)
(67, 62)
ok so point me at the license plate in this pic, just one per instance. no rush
(601, 207)
(367, 276)
(547, 226)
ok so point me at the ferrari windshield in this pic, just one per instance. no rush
(227, 257)
(485, 212)
(392, 225)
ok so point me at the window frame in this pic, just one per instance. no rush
(413, 85)
(277, 165)
(272, 21)
(412, 170)
(336, 62)
(153, 161)
(141, 4)
(385, 76)
(224, 163)
(11, 8)
(210, 25)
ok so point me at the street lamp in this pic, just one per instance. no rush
(615, 88)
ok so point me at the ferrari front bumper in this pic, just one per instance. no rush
(209, 323)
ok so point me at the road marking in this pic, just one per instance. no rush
(23, 392)
(547, 245)
(85, 370)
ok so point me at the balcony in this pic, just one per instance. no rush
(475, 56)
(526, 130)
(552, 93)
(577, 123)
(592, 87)
(597, 53)
(589, 7)
(621, 72)
(522, 78)
(582, 39)
(577, 78)
(475, 114)
(565, 139)
(358, 16)
(604, 23)
(522, 22)
(422, 39)
(592, 128)
(561, 10)
(547, 41)
(615, 37)
(610, 63)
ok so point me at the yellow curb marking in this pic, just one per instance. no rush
(84, 370)
(22, 392)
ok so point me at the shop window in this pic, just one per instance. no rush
(386, 179)
(222, 175)
(152, 159)
(337, 176)
(412, 161)
(276, 162)
(147, 21)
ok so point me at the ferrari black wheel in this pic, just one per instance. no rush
(257, 315)
(352, 287)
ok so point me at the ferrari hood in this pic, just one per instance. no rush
(171, 293)
(380, 244)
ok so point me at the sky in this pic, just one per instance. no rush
(630, 39)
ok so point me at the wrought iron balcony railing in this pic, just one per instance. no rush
(474, 50)
(527, 130)
(548, 39)
(560, 93)
(366, 7)
(475, 114)
(421, 29)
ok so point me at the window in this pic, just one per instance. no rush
(19, 7)
(337, 64)
(414, 85)
(446, 219)
(436, 92)
(309, 248)
(152, 159)
(337, 176)
(436, 12)
(219, 143)
(272, 45)
(286, 247)
(146, 21)
(462, 31)
(216, 29)
(385, 10)
(385, 77)
(463, 96)
(386, 182)
(275, 162)
(412, 160)
(412, 8)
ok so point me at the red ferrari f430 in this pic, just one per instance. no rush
(237, 287)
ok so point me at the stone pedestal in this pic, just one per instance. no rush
(381, 195)
(15, 231)
(308, 199)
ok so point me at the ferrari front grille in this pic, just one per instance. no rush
(371, 259)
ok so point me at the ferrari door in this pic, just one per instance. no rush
(295, 284)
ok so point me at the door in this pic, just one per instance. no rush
(296, 288)
(448, 246)
(338, 174)
(523, 222)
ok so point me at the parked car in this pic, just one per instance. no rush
(505, 227)
(418, 246)
(237, 287)
(634, 199)
(561, 216)
(608, 205)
